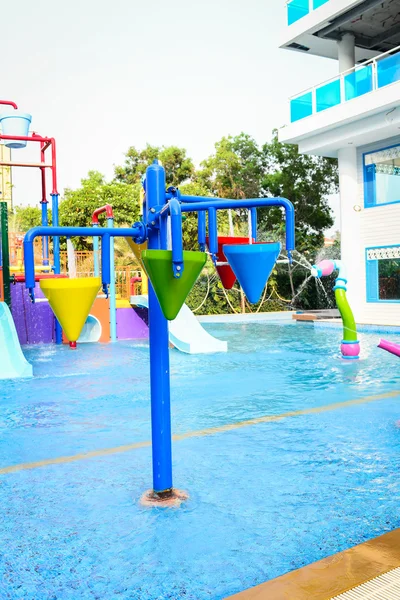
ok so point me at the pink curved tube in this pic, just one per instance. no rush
(390, 347)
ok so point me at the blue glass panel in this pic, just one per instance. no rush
(297, 9)
(388, 70)
(301, 107)
(318, 3)
(328, 95)
(358, 83)
(369, 186)
(372, 281)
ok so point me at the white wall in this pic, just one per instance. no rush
(378, 226)
(350, 224)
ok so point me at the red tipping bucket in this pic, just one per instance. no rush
(226, 275)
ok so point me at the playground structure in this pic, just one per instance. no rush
(117, 316)
(350, 346)
(15, 134)
(172, 273)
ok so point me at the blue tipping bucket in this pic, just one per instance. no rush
(252, 265)
(15, 124)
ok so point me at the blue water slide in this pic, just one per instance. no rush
(13, 364)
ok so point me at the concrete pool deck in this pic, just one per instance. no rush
(336, 574)
(324, 319)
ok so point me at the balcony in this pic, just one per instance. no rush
(315, 26)
(297, 9)
(364, 79)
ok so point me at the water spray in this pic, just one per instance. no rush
(350, 346)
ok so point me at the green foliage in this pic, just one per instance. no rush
(235, 169)
(26, 217)
(306, 181)
(190, 223)
(77, 207)
(178, 167)
(209, 288)
(238, 168)
(197, 188)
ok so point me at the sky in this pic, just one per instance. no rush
(102, 75)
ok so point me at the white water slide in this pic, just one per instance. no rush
(12, 362)
(186, 333)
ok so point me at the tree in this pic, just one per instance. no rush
(178, 166)
(235, 169)
(77, 207)
(307, 182)
(26, 217)
(190, 224)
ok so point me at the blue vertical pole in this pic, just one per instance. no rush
(253, 212)
(56, 255)
(159, 354)
(96, 253)
(45, 240)
(113, 304)
(212, 231)
(201, 229)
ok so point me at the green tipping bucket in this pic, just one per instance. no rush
(171, 292)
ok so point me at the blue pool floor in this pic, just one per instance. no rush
(264, 499)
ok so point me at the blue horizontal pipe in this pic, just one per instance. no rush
(198, 204)
(136, 233)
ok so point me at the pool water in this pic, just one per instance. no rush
(265, 498)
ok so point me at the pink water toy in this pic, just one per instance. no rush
(350, 346)
(390, 347)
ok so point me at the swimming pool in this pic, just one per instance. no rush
(265, 497)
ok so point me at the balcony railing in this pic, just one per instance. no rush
(297, 9)
(363, 79)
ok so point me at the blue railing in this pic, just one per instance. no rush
(297, 9)
(378, 73)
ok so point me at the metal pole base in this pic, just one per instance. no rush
(169, 499)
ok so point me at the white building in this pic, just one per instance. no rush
(356, 118)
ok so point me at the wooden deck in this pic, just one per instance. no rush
(333, 575)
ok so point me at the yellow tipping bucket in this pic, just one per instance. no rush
(71, 301)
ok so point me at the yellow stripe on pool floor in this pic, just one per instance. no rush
(199, 433)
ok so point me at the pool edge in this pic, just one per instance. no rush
(332, 575)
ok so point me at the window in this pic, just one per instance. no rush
(297, 9)
(382, 177)
(383, 274)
